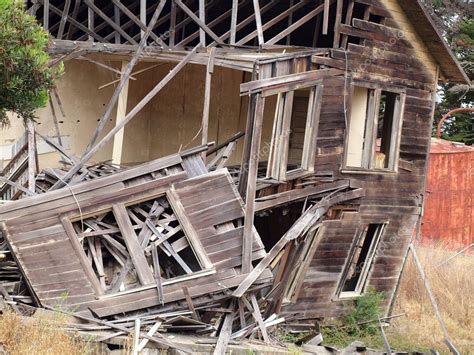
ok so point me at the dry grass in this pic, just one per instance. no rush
(453, 287)
(39, 335)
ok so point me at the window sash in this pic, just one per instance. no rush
(370, 129)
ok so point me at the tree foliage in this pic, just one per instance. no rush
(25, 76)
(455, 19)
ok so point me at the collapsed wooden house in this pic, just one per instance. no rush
(320, 113)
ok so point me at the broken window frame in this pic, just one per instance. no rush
(279, 148)
(361, 234)
(293, 286)
(374, 92)
(202, 258)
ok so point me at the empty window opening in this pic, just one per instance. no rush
(294, 135)
(374, 129)
(155, 226)
(384, 129)
(299, 115)
(272, 224)
(361, 259)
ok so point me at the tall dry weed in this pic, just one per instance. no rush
(452, 284)
(39, 335)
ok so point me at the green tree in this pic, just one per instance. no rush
(455, 20)
(25, 76)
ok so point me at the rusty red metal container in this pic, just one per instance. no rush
(449, 205)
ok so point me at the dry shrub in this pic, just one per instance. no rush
(39, 335)
(453, 287)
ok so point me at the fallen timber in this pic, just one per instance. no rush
(152, 246)
(316, 203)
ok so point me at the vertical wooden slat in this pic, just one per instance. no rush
(327, 3)
(133, 246)
(121, 113)
(233, 21)
(172, 33)
(258, 21)
(251, 185)
(337, 25)
(117, 21)
(202, 17)
(90, 21)
(142, 15)
(207, 100)
(347, 21)
(31, 156)
(67, 4)
(46, 14)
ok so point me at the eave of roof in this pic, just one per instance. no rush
(434, 41)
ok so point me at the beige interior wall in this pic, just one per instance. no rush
(168, 123)
(83, 104)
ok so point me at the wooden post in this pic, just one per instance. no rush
(67, 4)
(90, 20)
(251, 184)
(337, 25)
(290, 22)
(142, 15)
(258, 21)
(233, 20)
(121, 113)
(326, 16)
(207, 100)
(31, 155)
(46, 15)
(202, 17)
(172, 33)
(117, 21)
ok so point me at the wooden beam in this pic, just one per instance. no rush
(77, 24)
(62, 23)
(337, 25)
(258, 22)
(46, 14)
(91, 21)
(18, 186)
(226, 331)
(139, 23)
(121, 113)
(297, 24)
(172, 33)
(327, 4)
(307, 221)
(207, 100)
(128, 118)
(117, 21)
(133, 246)
(55, 119)
(251, 185)
(201, 24)
(143, 16)
(31, 155)
(233, 20)
(274, 21)
(347, 21)
(202, 17)
(258, 317)
(77, 5)
(111, 23)
(110, 106)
